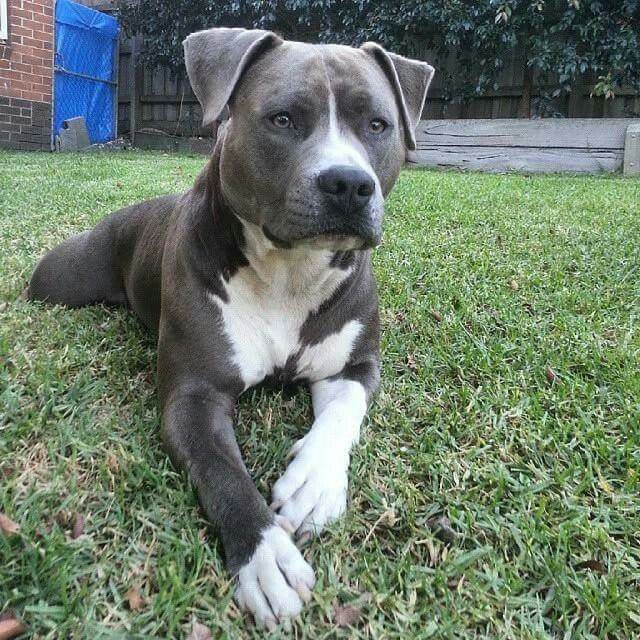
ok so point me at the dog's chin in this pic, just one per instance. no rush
(332, 241)
(336, 242)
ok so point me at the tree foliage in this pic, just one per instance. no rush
(563, 41)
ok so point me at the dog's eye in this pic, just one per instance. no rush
(282, 120)
(378, 125)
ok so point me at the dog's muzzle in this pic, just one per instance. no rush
(347, 190)
(344, 212)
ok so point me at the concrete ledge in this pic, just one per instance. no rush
(165, 142)
(577, 145)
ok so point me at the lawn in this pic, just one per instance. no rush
(510, 404)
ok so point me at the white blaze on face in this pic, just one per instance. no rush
(337, 149)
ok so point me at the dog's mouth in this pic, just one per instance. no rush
(337, 242)
(282, 244)
(325, 240)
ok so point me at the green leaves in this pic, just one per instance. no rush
(564, 41)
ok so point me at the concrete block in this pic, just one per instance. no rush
(631, 163)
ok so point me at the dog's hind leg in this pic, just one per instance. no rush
(80, 271)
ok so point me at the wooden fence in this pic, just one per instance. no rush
(482, 134)
(518, 94)
(156, 99)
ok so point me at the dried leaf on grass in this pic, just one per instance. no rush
(199, 632)
(112, 463)
(346, 616)
(78, 526)
(591, 565)
(10, 626)
(134, 598)
(8, 526)
(387, 517)
(442, 529)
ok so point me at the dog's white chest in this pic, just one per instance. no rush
(263, 322)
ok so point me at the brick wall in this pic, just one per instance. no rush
(26, 70)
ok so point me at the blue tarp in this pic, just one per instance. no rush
(85, 69)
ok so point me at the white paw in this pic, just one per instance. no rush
(313, 490)
(275, 581)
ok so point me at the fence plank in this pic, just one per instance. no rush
(136, 88)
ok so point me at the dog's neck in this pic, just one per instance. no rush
(291, 272)
(288, 272)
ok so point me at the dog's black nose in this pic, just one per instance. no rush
(348, 188)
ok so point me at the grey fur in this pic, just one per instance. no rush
(165, 258)
(216, 59)
(410, 80)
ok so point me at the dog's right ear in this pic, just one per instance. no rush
(215, 61)
(410, 80)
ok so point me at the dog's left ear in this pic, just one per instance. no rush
(215, 61)
(410, 80)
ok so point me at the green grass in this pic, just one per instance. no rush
(485, 282)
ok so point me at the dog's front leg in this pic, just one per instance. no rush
(272, 576)
(313, 490)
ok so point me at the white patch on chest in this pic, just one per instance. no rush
(268, 303)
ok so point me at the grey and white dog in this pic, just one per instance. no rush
(262, 270)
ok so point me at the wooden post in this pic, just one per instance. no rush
(631, 166)
(524, 107)
(574, 100)
(137, 87)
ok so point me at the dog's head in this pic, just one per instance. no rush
(317, 133)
